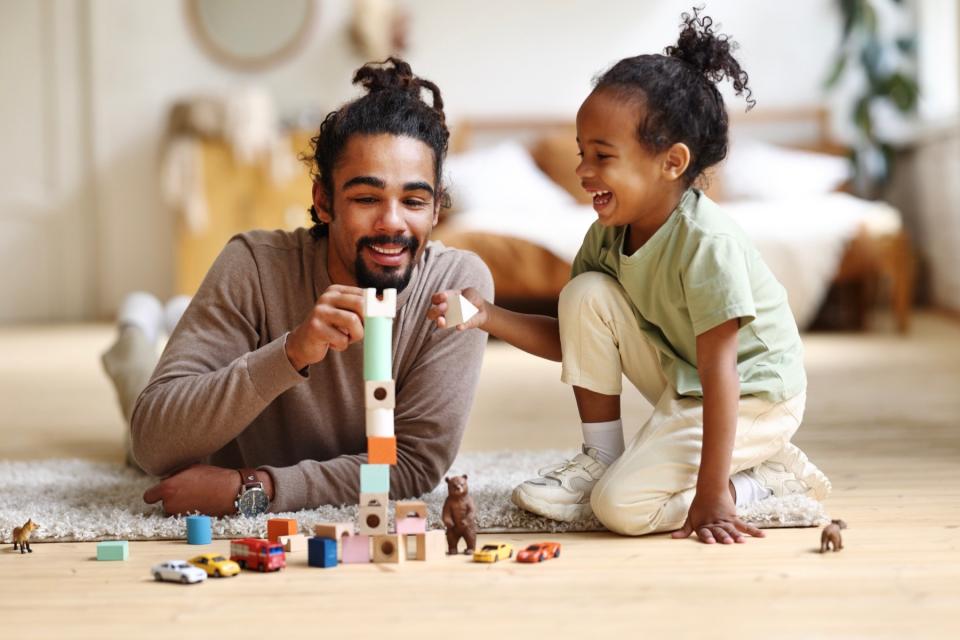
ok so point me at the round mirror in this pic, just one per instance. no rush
(250, 34)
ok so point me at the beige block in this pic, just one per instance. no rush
(335, 531)
(296, 543)
(389, 549)
(373, 513)
(431, 545)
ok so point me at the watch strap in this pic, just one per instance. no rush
(248, 477)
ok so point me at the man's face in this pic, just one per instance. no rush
(384, 207)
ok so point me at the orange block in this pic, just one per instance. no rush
(277, 527)
(382, 450)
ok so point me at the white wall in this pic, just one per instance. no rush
(498, 57)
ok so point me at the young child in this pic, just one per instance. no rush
(667, 290)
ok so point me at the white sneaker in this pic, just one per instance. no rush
(562, 492)
(143, 311)
(791, 472)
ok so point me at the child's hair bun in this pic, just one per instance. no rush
(709, 52)
(396, 74)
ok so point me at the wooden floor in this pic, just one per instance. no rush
(882, 421)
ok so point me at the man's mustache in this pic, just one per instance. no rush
(408, 242)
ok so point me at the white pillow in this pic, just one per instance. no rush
(758, 170)
(501, 176)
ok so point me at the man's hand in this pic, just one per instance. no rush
(335, 322)
(204, 488)
(438, 307)
(714, 519)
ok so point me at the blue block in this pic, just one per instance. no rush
(113, 550)
(199, 530)
(322, 552)
(374, 478)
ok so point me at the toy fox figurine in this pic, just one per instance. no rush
(21, 536)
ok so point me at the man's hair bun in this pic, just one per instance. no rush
(396, 74)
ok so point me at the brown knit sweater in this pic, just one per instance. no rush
(225, 393)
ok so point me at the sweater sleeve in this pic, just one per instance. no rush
(215, 375)
(432, 408)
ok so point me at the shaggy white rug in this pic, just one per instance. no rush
(79, 500)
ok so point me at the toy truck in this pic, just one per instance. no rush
(258, 554)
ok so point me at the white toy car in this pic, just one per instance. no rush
(178, 571)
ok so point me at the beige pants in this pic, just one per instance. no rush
(650, 487)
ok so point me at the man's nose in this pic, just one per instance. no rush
(391, 221)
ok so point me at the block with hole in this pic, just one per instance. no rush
(380, 394)
(389, 549)
(382, 306)
(373, 513)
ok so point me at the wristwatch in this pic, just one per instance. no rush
(252, 499)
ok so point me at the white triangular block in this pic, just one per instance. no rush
(459, 310)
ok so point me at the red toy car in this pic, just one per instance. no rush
(539, 552)
(258, 554)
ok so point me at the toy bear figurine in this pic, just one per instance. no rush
(459, 515)
(831, 536)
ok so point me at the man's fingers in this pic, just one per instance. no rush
(153, 494)
(439, 298)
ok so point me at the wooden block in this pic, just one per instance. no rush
(405, 508)
(277, 527)
(384, 307)
(199, 530)
(431, 545)
(411, 517)
(356, 549)
(322, 552)
(389, 549)
(373, 514)
(459, 310)
(377, 348)
(374, 478)
(380, 423)
(380, 394)
(113, 550)
(382, 450)
(339, 531)
(296, 543)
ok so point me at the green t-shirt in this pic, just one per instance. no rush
(696, 272)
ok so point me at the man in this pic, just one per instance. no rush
(261, 382)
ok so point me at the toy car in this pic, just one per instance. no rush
(178, 571)
(258, 554)
(493, 553)
(539, 552)
(215, 565)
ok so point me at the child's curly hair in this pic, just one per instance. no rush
(679, 94)
(392, 104)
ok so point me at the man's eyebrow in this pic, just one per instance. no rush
(370, 181)
(418, 186)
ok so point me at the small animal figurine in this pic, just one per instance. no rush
(21, 536)
(459, 515)
(831, 536)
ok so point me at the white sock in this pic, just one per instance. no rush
(143, 311)
(605, 437)
(748, 489)
(173, 311)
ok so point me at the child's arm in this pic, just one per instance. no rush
(713, 513)
(539, 335)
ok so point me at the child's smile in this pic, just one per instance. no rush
(630, 184)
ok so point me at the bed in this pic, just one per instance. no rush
(519, 206)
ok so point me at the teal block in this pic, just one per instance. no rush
(377, 348)
(199, 530)
(374, 478)
(113, 550)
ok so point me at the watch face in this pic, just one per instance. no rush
(253, 502)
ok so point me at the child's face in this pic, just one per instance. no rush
(628, 183)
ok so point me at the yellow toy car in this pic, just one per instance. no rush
(493, 553)
(216, 565)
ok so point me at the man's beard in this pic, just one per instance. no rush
(385, 277)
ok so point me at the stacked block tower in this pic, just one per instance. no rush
(379, 400)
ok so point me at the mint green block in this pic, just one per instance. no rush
(377, 348)
(374, 478)
(113, 550)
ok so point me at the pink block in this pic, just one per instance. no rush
(355, 549)
(411, 526)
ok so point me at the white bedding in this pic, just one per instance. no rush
(801, 239)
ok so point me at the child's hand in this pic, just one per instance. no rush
(438, 308)
(714, 519)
